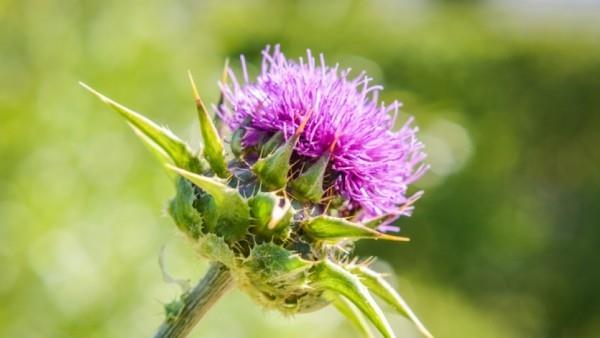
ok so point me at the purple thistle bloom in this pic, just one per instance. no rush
(373, 164)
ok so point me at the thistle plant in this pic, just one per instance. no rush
(313, 164)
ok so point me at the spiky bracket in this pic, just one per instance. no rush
(282, 246)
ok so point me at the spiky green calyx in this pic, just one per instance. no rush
(266, 217)
(308, 187)
(273, 169)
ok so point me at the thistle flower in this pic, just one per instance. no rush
(370, 166)
(315, 165)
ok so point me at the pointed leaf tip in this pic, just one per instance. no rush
(194, 89)
(213, 145)
(329, 228)
(339, 280)
(378, 285)
(348, 310)
(156, 137)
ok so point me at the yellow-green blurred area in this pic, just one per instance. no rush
(505, 242)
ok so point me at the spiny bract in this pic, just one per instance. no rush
(313, 167)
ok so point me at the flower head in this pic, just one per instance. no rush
(371, 164)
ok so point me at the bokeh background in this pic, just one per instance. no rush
(505, 242)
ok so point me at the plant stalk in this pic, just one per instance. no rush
(205, 294)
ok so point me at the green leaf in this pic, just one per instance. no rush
(329, 228)
(346, 308)
(335, 278)
(156, 137)
(385, 291)
(213, 145)
(233, 215)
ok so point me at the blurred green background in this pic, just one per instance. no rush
(507, 93)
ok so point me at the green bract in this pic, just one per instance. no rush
(270, 222)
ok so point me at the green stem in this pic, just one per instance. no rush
(213, 285)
